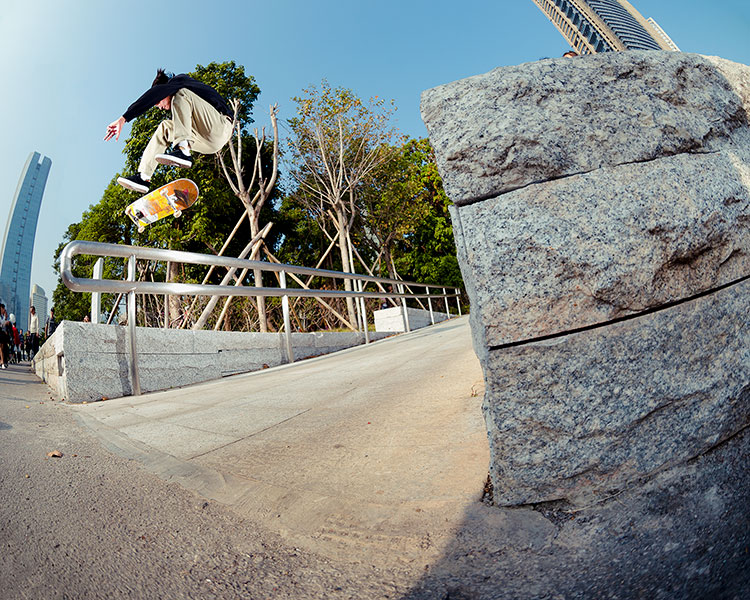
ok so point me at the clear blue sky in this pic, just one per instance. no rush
(70, 68)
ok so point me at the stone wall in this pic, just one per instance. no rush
(84, 362)
(602, 220)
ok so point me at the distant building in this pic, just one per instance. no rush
(663, 35)
(39, 301)
(592, 26)
(18, 243)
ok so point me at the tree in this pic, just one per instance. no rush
(427, 250)
(253, 191)
(394, 201)
(406, 215)
(102, 222)
(338, 140)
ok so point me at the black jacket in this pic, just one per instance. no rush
(157, 93)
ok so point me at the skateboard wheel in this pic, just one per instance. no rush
(141, 229)
(177, 213)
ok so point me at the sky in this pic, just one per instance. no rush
(70, 68)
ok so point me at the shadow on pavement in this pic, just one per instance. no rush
(683, 534)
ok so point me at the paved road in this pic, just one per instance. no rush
(349, 476)
(373, 452)
(321, 453)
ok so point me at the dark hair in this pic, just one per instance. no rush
(162, 76)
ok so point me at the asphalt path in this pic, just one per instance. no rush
(356, 475)
(371, 454)
(116, 517)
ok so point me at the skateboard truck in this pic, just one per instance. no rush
(172, 201)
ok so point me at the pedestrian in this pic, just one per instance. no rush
(51, 325)
(33, 331)
(201, 122)
(15, 341)
(4, 337)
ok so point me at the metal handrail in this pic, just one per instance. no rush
(82, 284)
(132, 287)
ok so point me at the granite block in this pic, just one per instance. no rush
(581, 416)
(535, 122)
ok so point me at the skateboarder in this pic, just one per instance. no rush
(201, 121)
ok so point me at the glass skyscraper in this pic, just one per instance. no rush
(592, 26)
(18, 243)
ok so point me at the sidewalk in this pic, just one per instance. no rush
(378, 450)
(369, 464)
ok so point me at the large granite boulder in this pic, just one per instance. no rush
(535, 122)
(602, 220)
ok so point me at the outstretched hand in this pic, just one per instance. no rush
(114, 129)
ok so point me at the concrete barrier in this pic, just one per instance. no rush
(85, 362)
(392, 319)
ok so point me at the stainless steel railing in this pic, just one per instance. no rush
(131, 287)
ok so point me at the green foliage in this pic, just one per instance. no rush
(302, 241)
(427, 253)
(406, 211)
(102, 222)
(230, 81)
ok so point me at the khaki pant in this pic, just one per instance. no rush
(193, 119)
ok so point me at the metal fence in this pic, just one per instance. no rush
(403, 289)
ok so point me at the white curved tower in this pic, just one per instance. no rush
(18, 243)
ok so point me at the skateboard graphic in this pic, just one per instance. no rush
(169, 199)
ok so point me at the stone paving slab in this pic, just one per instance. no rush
(382, 444)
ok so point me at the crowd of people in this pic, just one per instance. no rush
(16, 344)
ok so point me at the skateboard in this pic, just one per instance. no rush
(169, 199)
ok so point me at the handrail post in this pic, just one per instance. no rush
(96, 297)
(355, 287)
(166, 299)
(287, 320)
(134, 375)
(405, 314)
(429, 303)
(458, 301)
(445, 297)
(361, 287)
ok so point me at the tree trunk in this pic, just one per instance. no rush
(343, 227)
(174, 301)
(258, 273)
(256, 241)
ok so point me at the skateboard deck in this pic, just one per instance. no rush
(169, 199)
